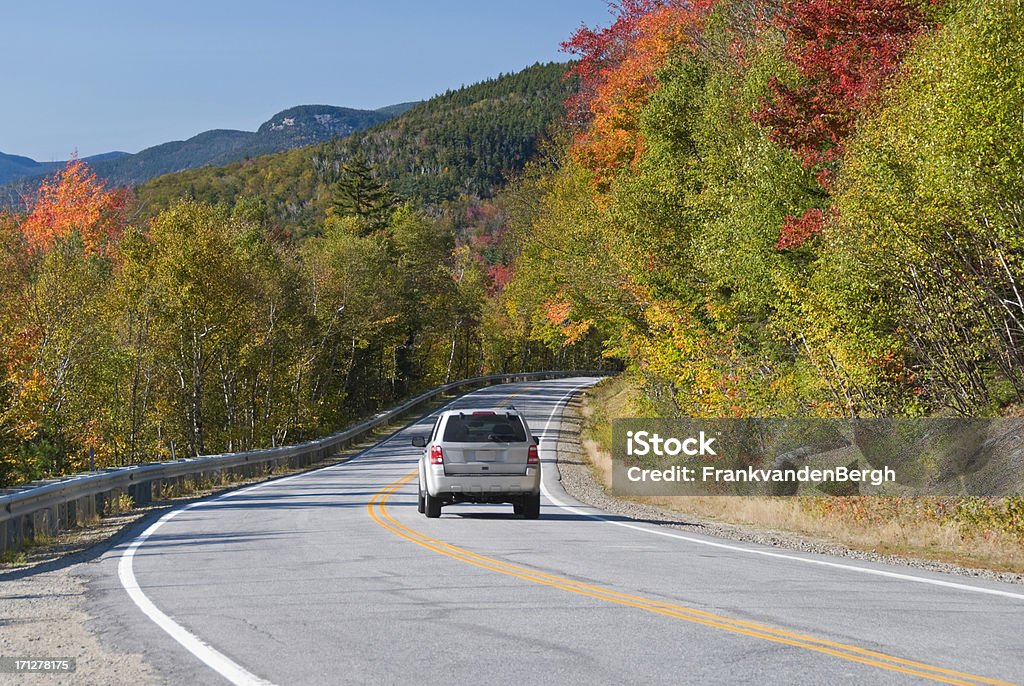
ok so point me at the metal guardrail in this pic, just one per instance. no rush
(49, 506)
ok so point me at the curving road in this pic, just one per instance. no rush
(332, 577)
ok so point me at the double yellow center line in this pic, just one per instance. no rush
(379, 512)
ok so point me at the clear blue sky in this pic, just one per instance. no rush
(124, 75)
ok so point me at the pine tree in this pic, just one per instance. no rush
(359, 193)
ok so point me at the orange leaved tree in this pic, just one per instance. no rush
(75, 201)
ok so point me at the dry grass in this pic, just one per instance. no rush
(12, 557)
(119, 505)
(898, 526)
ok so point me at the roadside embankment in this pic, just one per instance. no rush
(956, 535)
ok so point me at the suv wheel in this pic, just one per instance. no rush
(431, 506)
(531, 506)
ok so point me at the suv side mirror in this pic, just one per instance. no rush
(419, 441)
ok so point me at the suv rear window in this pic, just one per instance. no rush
(480, 428)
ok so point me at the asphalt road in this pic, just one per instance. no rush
(333, 577)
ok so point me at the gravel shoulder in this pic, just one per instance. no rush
(45, 616)
(579, 481)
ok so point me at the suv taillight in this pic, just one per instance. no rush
(532, 457)
(436, 455)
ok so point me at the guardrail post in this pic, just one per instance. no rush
(141, 492)
(83, 512)
(43, 523)
(66, 514)
(13, 534)
(28, 532)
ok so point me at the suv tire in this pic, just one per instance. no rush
(431, 506)
(531, 506)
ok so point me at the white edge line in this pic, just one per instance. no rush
(753, 551)
(207, 654)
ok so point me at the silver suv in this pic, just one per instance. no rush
(479, 456)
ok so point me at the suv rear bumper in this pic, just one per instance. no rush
(482, 487)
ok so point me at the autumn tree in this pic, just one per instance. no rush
(74, 201)
(17, 343)
(921, 281)
(60, 363)
(218, 299)
(844, 52)
(356, 329)
(618, 70)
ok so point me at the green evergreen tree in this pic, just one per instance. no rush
(359, 193)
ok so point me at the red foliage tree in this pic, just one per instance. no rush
(603, 50)
(500, 275)
(845, 50)
(618, 73)
(798, 230)
(74, 201)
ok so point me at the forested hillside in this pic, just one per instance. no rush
(202, 320)
(791, 208)
(461, 144)
(201, 331)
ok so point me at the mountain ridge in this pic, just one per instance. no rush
(290, 128)
(14, 167)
